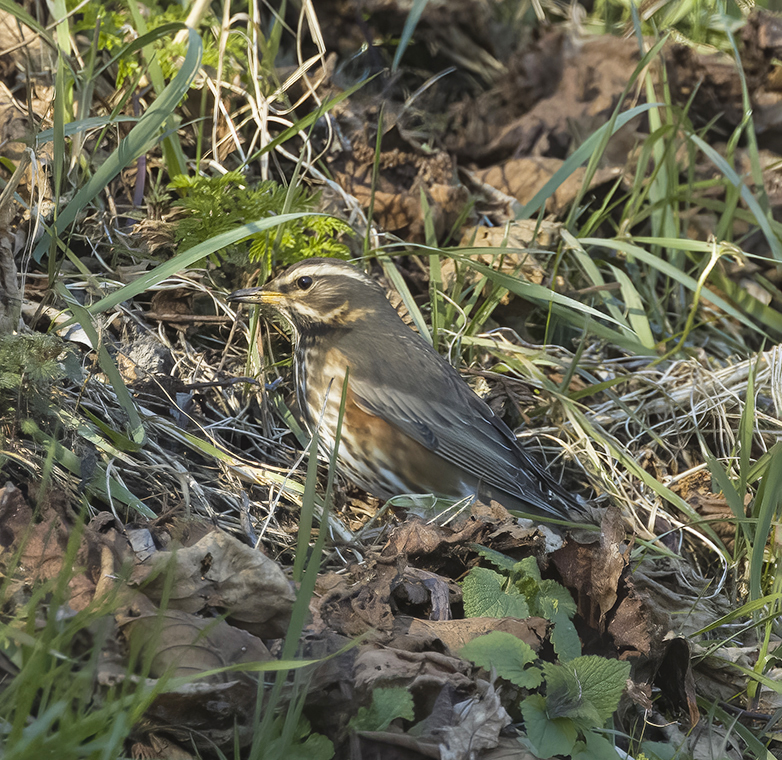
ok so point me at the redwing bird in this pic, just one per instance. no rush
(411, 424)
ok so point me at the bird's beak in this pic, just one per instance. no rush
(255, 295)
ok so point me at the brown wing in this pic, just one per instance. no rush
(423, 396)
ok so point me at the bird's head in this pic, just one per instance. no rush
(319, 293)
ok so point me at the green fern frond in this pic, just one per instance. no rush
(218, 204)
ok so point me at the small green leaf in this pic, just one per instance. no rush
(508, 655)
(555, 599)
(387, 705)
(498, 559)
(549, 736)
(564, 639)
(585, 689)
(555, 603)
(595, 747)
(565, 694)
(602, 681)
(303, 745)
(484, 596)
(528, 567)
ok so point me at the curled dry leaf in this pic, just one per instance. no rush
(221, 573)
(607, 600)
(675, 679)
(477, 725)
(184, 644)
(449, 636)
(609, 563)
(415, 671)
(415, 538)
(416, 589)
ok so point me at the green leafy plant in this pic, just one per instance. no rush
(581, 696)
(519, 591)
(217, 204)
(581, 692)
(30, 367)
(112, 21)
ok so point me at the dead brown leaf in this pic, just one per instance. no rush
(455, 729)
(42, 539)
(609, 563)
(675, 679)
(361, 602)
(178, 644)
(404, 174)
(522, 178)
(427, 672)
(415, 538)
(428, 594)
(593, 76)
(449, 636)
(221, 573)
(205, 714)
(630, 627)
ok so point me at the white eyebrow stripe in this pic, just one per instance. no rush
(315, 270)
(346, 271)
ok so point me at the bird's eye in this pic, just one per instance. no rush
(304, 283)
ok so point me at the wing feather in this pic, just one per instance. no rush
(441, 412)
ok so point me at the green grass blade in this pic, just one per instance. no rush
(731, 175)
(307, 510)
(400, 286)
(188, 258)
(413, 17)
(596, 155)
(529, 290)
(756, 747)
(593, 273)
(83, 125)
(580, 156)
(107, 364)
(115, 492)
(747, 429)
(740, 613)
(673, 272)
(765, 511)
(636, 314)
(139, 140)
